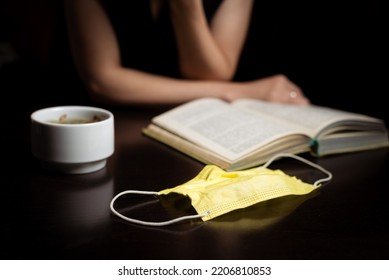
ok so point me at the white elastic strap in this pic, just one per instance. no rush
(304, 161)
(145, 223)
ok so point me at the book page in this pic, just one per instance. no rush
(222, 128)
(312, 119)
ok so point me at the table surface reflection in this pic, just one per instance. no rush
(53, 216)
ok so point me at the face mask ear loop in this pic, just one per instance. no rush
(318, 182)
(145, 223)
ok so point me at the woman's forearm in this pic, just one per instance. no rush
(129, 86)
(210, 51)
(200, 57)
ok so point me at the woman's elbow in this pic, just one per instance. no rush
(95, 87)
(99, 89)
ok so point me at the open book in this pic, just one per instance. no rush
(247, 132)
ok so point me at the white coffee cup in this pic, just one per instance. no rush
(72, 139)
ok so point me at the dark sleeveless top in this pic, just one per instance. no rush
(147, 44)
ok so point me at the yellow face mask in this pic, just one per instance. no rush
(214, 192)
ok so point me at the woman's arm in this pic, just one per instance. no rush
(97, 57)
(210, 51)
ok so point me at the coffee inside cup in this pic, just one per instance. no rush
(64, 119)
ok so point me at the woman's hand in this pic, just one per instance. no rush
(277, 88)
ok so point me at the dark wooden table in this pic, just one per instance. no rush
(53, 216)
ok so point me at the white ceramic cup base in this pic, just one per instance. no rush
(74, 168)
